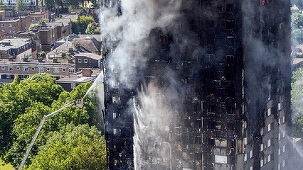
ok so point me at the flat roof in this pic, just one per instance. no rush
(297, 60)
(78, 78)
(36, 64)
(14, 43)
(89, 55)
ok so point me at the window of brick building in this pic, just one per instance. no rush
(40, 69)
(25, 69)
(56, 70)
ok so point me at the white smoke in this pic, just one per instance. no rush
(128, 32)
(153, 120)
(131, 30)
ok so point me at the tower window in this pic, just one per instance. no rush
(114, 115)
(210, 39)
(230, 24)
(229, 7)
(230, 110)
(269, 127)
(230, 41)
(209, 57)
(268, 142)
(269, 112)
(229, 58)
(210, 23)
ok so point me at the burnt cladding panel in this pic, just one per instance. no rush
(118, 122)
(221, 81)
(271, 30)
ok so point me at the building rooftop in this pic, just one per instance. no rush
(39, 13)
(88, 43)
(64, 21)
(78, 78)
(69, 16)
(31, 62)
(296, 61)
(89, 55)
(59, 48)
(7, 44)
(9, 19)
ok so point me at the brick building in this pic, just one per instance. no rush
(37, 16)
(10, 48)
(26, 68)
(87, 60)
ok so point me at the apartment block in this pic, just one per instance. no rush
(231, 69)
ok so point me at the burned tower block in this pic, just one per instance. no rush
(222, 70)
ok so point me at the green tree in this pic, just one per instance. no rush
(96, 3)
(92, 28)
(15, 98)
(297, 100)
(298, 126)
(42, 103)
(11, 106)
(80, 25)
(297, 27)
(297, 92)
(20, 6)
(2, 6)
(25, 102)
(90, 112)
(24, 129)
(74, 147)
(40, 88)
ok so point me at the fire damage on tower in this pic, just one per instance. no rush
(214, 90)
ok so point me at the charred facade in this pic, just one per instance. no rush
(231, 62)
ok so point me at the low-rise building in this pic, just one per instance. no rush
(10, 26)
(87, 43)
(71, 81)
(87, 60)
(37, 16)
(25, 2)
(47, 35)
(10, 48)
(25, 67)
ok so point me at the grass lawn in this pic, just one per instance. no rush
(4, 166)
